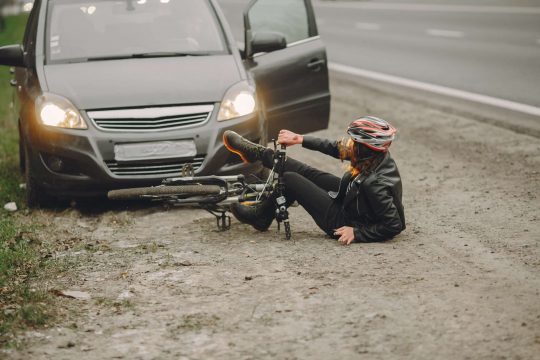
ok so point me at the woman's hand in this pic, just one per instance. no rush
(289, 138)
(346, 235)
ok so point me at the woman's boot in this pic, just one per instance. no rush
(247, 150)
(259, 215)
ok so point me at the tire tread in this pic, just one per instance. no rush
(137, 193)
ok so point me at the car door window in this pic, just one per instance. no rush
(29, 40)
(288, 17)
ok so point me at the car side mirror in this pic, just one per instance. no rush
(255, 40)
(267, 41)
(12, 55)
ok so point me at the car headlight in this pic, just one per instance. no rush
(238, 101)
(57, 111)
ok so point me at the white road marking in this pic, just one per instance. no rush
(367, 26)
(445, 33)
(437, 89)
(527, 10)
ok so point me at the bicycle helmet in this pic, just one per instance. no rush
(375, 133)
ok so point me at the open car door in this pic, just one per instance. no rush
(292, 79)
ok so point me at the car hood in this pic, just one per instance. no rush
(143, 82)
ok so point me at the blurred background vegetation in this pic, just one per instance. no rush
(9, 156)
(22, 303)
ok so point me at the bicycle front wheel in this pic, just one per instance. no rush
(164, 190)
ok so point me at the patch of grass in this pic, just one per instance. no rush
(9, 141)
(23, 302)
(119, 306)
(196, 322)
(149, 248)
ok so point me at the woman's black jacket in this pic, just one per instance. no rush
(373, 204)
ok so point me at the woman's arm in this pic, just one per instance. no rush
(286, 137)
(327, 147)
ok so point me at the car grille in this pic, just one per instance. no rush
(162, 168)
(151, 119)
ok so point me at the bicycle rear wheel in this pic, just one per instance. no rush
(164, 190)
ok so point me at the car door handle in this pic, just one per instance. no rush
(316, 64)
(12, 82)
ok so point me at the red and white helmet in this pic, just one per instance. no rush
(375, 133)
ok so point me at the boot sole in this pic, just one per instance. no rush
(233, 150)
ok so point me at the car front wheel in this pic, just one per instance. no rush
(264, 140)
(35, 196)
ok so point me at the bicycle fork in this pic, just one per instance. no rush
(282, 213)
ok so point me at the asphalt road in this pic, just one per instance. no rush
(487, 50)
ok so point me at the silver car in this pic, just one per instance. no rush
(118, 93)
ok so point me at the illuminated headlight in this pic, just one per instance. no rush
(54, 110)
(238, 101)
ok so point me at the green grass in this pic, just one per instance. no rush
(9, 155)
(23, 303)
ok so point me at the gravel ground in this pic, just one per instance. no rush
(462, 282)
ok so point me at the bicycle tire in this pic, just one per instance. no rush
(165, 190)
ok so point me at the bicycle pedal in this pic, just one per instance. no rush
(223, 223)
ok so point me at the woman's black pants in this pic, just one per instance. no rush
(310, 187)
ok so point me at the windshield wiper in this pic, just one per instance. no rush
(169, 54)
(114, 57)
(147, 55)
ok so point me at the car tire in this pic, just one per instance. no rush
(264, 172)
(264, 139)
(22, 156)
(35, 196)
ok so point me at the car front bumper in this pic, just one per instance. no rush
(66, 162)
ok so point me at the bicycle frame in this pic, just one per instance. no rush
(234, 189)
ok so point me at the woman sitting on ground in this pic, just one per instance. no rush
(362, 206)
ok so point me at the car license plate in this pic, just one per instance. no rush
(155, 150)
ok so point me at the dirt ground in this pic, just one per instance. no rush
(462, 282)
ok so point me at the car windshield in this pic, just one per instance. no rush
(112, 29)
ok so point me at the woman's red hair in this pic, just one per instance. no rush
(349, 150)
